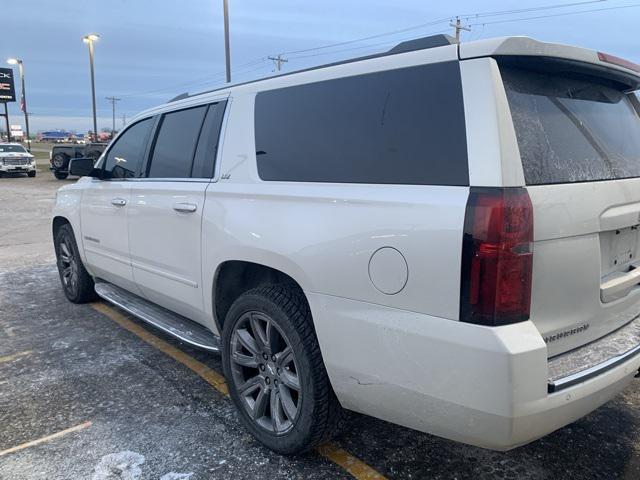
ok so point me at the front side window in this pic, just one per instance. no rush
(175, 145)
(572, 129)
(125, 156)
(403, 126)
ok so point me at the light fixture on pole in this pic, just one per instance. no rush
(89, 39)
(23, 97)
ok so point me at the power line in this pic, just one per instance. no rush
(564, 14)
(529, 9)
(444, 20)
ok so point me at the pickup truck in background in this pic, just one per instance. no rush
(61, 155)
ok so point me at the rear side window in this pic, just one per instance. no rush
(204, 160)
(175, 144)
(572, 129)
(124, 158)
(401, 126)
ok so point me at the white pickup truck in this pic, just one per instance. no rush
(14, 158)
(443, 236)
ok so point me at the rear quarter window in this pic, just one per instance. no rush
(402, 126)
(572, 129)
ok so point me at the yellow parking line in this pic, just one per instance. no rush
(10, 358)
(48, 438)
(356, 467)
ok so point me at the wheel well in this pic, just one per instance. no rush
(235, 277)
(58, 222)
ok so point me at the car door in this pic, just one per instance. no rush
(165, 215)
(105, 203)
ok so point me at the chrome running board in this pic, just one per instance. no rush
(175, 325)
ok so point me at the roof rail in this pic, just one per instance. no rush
(182, 96)
(433, 41)
(423, 43)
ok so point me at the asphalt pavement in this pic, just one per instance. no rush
(88, 392)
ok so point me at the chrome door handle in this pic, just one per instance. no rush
(118, 202)
(185, 207)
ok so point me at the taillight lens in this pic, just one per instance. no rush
(497, 256)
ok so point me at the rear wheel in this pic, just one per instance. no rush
(60, 175)
(275, 372)
(76, 282)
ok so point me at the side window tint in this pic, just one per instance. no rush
(403, 126)
(204, 161)
(125, 156)
(175, 145)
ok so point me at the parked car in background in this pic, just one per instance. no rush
(444, 236)
(14, 158)
(61, 154)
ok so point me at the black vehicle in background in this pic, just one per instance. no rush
(61, 155)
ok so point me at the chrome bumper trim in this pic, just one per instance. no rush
(579, 377)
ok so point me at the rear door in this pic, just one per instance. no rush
(165, 217)
(105, 204)
(579, 140)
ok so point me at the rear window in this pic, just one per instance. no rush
(401, 126)
(572, 129)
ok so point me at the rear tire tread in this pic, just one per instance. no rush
(328, 414)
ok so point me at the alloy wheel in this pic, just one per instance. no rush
(265, 372)
(67, 265)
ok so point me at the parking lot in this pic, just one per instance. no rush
(90, 392)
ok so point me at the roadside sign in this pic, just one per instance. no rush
(7, 88)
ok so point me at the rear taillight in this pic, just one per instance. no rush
(495, 286)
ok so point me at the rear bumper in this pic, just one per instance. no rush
(478, 385)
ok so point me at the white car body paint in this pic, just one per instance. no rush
(402, 357)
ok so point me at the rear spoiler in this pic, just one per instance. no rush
(573, 58)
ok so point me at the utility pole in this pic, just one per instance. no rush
(459, 27)
(227, 53)
(278, 61)
(113, 101)
(124, 120)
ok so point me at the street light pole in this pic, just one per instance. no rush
(14, 61)
(89, 39)
(227, 53)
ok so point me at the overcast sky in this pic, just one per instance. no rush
(152, 50)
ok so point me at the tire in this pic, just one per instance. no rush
(31, 174)
(60, 160)
(304, 417)
(60, 175)
(77, 284)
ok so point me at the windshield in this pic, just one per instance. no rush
(12, 148)
(572, 129)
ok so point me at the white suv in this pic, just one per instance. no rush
(442, 236)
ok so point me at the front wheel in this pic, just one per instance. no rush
(76, 282)
(274, 369)
(31, 174)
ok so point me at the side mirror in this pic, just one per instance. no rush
(83, 167)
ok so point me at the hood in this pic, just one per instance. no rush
(15, 154)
